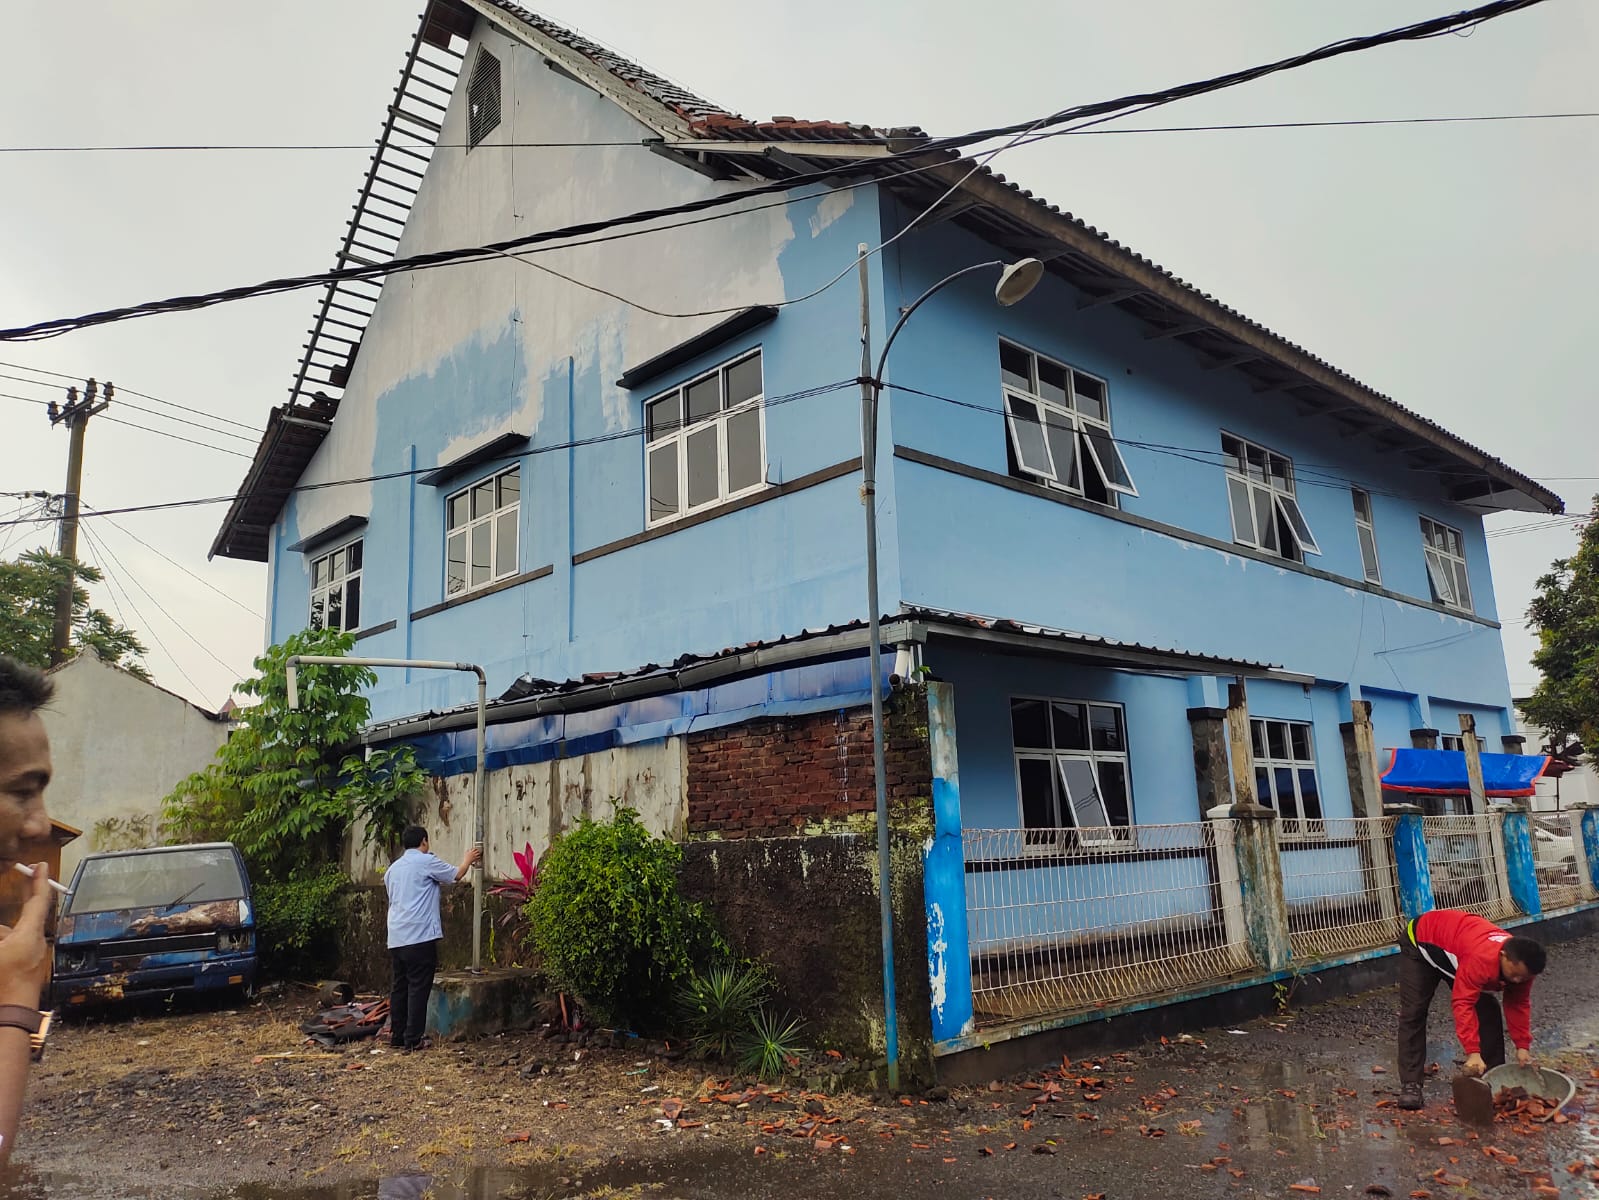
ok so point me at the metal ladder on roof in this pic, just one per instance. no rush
(411, 131)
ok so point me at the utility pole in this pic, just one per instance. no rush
(76, 415)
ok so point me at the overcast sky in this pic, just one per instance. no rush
(1449, 266)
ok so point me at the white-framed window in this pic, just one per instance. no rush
(1058, 419)
(1260, 493)
(1457, 741)
(336, 588)
(482, 98)
(1446, 564)
(481, 532)
(1071, 770)
(705, 441)
(1285, 774)
(1366, 531)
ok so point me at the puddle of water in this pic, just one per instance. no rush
(708, 1175)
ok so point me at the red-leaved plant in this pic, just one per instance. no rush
(520, 890)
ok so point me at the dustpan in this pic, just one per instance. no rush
(1552, 1087)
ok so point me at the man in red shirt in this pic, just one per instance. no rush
(1477, 958)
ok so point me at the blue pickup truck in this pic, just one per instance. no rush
(155, 922)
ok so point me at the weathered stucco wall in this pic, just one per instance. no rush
(536, 802)
(455, 357)
(119, 745)
(807, 907)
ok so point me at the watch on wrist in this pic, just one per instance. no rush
(20, 1016)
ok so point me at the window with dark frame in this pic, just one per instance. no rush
(1058, 423)
(1285, 774)
(482, 98)
(1445, 553)
(1073, 781)
(705, 441)
(1366, 531)
(336, 588)
(482, 523)
(1260, 495)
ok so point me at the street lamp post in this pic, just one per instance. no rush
(423, 664)
(1015, 282)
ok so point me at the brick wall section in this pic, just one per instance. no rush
(777, 775)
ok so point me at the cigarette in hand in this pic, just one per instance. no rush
(28, 871)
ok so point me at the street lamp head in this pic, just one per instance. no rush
(1017, 280)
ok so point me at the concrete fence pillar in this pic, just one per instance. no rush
(1585, 841)
(1410, 860)
(1228, 876)
(1365, 791)
(1492, 827)
(1260, 880)
(949, 959)
(1521, 872)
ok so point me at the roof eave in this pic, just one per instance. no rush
(1072, 236)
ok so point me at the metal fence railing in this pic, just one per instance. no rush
(1071, 919)
(1467, 865)
(1556, 841)
(1340, 884)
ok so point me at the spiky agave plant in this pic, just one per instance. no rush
(716, 1007)
(771, 1047)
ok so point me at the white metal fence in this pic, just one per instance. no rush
(1556, 842)
(1340, 884)
(1467, 865)
(1072, 919)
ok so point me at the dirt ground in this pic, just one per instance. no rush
(206, 1103)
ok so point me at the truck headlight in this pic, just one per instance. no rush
(70, 958)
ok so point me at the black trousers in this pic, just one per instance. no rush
(412, 969)
(1418, 979)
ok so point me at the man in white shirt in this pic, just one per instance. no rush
(413, 881)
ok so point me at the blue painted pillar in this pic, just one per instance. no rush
(949, 959)
(1520, 872)
(1410, 857)
(1585, 833)
(1260, 879)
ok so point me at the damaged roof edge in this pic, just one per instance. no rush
(691, 672)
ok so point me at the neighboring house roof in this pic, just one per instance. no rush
(529, 696)
(717, 141)
(90, 654)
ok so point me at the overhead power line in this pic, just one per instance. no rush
(1309, 474)
(145, 627)
(871, 168)
(253, 430)
(638, 143)
(145, 428)
(173, 562)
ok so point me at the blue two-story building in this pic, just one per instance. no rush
(583, 459)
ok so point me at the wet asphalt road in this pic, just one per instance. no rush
(1289, 1101)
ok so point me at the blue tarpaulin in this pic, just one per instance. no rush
(1444, 771)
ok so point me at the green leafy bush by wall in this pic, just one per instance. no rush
(297, 922)
(611, 924)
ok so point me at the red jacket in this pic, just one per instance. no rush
(1465, 948)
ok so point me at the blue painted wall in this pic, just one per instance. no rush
(974, 546)
(947, 541)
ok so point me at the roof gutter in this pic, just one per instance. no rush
(756, 661)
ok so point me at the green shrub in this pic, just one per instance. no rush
(717, 1006)
(771, 1044)
(297, 923)
(610, 923)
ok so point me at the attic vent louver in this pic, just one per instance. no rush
(482, 98)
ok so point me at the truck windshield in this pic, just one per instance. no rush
(152, 880)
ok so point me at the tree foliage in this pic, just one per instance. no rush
(1565, 614)
(29, 586)
(281, 787)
